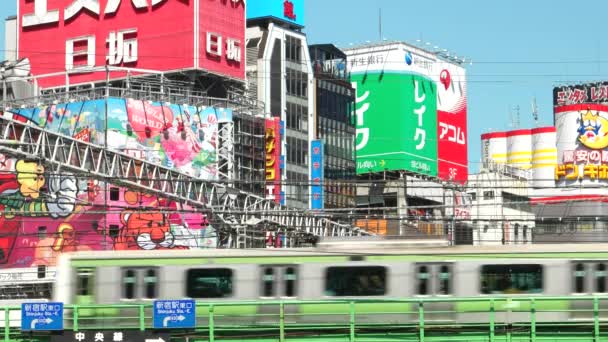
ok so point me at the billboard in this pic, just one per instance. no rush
(581, 119)
(396, 123)
(63, 35)
(181, 137)
(291, 11)
(450, 115)
(273, 159)
(316, 174)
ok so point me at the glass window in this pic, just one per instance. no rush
(600, 278)
(488, 195)
(511, 279)
(114, 194)
(41, 271)
(209, 283)
(355, 281)
(579, 278)
(41, 232)
(445, 280)
(84, 281)
(129, 281)
(290, 282)
(151, 282)
(268, 282)
(423, 280)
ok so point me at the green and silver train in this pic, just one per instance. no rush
(510, 274)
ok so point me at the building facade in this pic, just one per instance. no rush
(280, 75)
(334, 124)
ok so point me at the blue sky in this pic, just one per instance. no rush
(520, 49)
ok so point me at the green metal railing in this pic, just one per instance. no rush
(574, 318)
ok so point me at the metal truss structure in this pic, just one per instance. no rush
(238, 211)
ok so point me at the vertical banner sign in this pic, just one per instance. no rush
(273, 159)
(316, 174)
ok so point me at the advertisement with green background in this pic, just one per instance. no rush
(396, 123)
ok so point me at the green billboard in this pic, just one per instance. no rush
(396, 123)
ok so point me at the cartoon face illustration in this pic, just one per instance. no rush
(144, 230)
(30, 177)
(593, 130)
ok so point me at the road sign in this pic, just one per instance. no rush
(179, 313)
(41, 316)
(111, 336)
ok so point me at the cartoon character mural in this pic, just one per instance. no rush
(43, 213)
(593, 130)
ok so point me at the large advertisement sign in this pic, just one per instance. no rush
(182, 137)
(162, 35)
(273, 159)
(291, 11)
(396, 123)
(449, 111)
(452, 123)
(581, 118)
(316, 174)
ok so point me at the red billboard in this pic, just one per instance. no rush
(162, 35)
(452, 123)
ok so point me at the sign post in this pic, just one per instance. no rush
(174, 314)
(41, 316)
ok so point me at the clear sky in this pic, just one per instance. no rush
(520, 48)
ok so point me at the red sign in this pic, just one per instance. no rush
(288, 10)
(162, 35)
(452, 148)
(273, 159)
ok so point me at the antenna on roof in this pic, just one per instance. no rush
(535, 111)
(380, 23)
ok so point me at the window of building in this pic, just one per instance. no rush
(355, 281)
(41, 271)
(579, 278)
(42, 232)
(488, 195)
(114, 194)
(209, 283)
(511, 279)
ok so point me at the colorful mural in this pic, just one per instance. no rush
(182, 137)
(43, 213)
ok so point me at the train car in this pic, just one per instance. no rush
(506, 273)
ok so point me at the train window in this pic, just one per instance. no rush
(511, 279)
(151, 283)
(268, 282)
(129, 282)
(423, 280)
(579, 278)
(355, 281)
(84, 281)
(600, 278)
(444, 277)
(290, 282)
(209, 283)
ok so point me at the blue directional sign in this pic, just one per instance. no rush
(41, 316)
(170, 314)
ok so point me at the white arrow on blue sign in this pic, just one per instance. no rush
(41, 316)
(172, 314)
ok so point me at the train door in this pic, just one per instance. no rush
(84, 291)
(589, 278)
(278, 282)
(435, 280)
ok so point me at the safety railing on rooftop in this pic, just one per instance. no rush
(420, 319)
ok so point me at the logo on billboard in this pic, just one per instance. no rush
(445, 78)
(408, 58)
(288, 10)
(593, 130)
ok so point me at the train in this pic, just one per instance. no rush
(509, 274)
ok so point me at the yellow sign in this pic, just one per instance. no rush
(572, 172)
